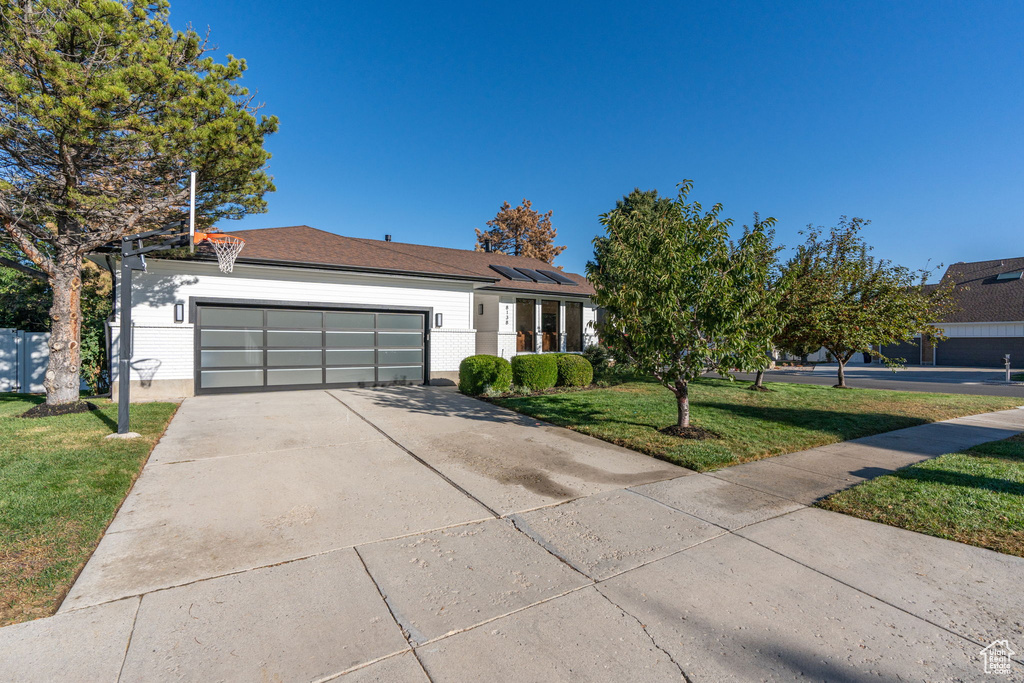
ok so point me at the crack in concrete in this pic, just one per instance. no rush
(131, 634)
(412, 635)
(643, 627)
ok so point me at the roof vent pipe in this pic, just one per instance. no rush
(487, 246)
(387, 238)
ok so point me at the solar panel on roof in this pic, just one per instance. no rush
(510, 274)
(536, 277)
(557, 277)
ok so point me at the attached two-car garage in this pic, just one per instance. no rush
(245, 348)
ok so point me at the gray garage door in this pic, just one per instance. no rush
(266, 349)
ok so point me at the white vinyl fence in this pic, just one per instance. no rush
(23, 358)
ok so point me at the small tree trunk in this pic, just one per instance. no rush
(842, 373)
(758, 381)
(683, 403)
(62, 373)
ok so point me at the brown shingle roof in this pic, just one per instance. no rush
(981, 297)
(303, 244)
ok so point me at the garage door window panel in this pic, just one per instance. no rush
(351, 357)
(294, 357)
(399, 339)
(281, 376)
(350, 340)
(231, 359)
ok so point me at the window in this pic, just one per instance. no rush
(573, 326)
(526, 321)
(549, 325)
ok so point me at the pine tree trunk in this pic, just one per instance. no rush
(683, 404)
(842, 373)
(62, 373)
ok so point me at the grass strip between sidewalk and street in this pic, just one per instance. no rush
(975, 497)
(61, 483)
(752, 425)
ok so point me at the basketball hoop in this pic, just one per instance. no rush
(225, 246)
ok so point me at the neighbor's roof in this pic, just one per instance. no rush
(981, 296)
(301, 244)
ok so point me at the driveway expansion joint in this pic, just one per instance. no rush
(460, 489)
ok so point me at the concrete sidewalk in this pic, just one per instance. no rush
(414, 534)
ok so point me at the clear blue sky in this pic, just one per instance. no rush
(419, 119)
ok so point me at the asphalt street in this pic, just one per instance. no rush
(937, 380)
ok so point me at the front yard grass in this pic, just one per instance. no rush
(753, 425)
(975, 497)
(60, 484)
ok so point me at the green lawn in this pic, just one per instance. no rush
(752, 425)
(60, 485)
(974, 497)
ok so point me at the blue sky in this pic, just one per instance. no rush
(419, 119)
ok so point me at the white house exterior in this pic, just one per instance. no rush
(304, 308)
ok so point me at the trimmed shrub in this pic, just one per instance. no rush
(534, 372)
(478, 374)
(599, 356)
(574, 371)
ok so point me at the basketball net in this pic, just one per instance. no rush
(226, 247)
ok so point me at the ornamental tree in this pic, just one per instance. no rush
(847, 301)
(520, 231)
(104, 109)
(680, 297)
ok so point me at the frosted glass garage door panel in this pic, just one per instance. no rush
(285, 357)
(222, 379)
(231, 317)
(396, 321)
(397, 356)
(230, 359)
(350, 340)
(342, 375)
(293, 339)
(295, 319)
(294, 376)
(349, 321)
(351, 357)
(399, 339)
(400, 374)
(241, 339)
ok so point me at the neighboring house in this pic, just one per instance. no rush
(304, 308)
(988, 321)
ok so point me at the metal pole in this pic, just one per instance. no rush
(192, 212)
(124, 343)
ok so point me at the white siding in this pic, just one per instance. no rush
(168, 345)
(1004, 329)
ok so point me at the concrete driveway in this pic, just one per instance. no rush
(414, 534)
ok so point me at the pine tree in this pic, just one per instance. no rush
(521, 231)
(104, 109)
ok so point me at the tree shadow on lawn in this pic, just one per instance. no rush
(950, 478)
(842, 424)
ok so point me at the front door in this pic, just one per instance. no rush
(549, 325)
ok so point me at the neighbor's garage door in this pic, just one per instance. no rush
(264, 349)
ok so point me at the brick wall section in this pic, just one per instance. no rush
(449, 347)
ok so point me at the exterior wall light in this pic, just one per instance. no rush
(179, 313)
(437, 320)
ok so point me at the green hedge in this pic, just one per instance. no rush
(574, 371)
(534, 372)
(477, 374)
